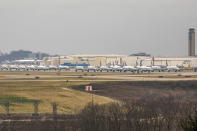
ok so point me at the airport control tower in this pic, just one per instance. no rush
(191, 43)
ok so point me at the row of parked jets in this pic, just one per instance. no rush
(133, 69)
(32, 67)
(115, 68)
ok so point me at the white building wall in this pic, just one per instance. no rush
(97, 60)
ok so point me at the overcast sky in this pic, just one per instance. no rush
(158, 27)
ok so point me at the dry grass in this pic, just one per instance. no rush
(56, 73)
(69, 101)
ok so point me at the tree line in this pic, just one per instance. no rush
(21, 54)
(162, 114)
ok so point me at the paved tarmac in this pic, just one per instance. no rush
(178, 76)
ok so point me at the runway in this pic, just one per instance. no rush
(180, 76)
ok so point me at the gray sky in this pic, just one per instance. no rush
(159, 27)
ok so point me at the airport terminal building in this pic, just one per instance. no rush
(112, 59)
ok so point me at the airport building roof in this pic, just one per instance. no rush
(96, 55)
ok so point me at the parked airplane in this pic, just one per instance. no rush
(103, 68)
(159, 68)
(173, 68)
(79, 68)
(90, 68)
(4, 67)
(51, 67)
(13, 67)
(22, 68)
(116, 68)
(40, 68)
(31, 68)
(144, 69)
(61, 67)
(129, 68)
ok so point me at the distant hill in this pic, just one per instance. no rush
(140, 54)
(21, 54)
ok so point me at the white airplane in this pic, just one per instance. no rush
(89, 68)
(22, 67)
(144, 68)
(51, 67)
(157, 68)
(173, 68)
(31, 67)
(64, 67)
(13, 67)
(129, 68)
(44, 68)
(116, 68)
(4, 67)
(103, 68)
(79, 68)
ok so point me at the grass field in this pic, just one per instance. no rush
(22, 89)
(23, 94)
(145, 101)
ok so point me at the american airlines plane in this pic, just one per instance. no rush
(129, 68)
(22, 68)
(173, 68)
(116, 68)
(90, 68)
(144, 68)
(103, 68)
(13, 67)
(31, 68)
(4, 67)
(79, 68)
(42, 68)
(159, 68)
(51, 67)
(61, 67)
